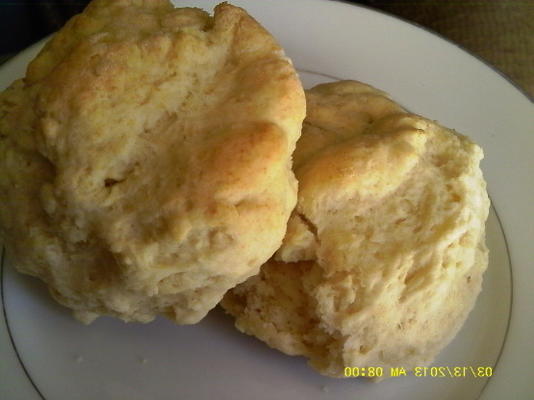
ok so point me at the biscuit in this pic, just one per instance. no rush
(146, 158)
(385, 251)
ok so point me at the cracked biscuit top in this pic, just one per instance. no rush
(385, 251)
(145, 158)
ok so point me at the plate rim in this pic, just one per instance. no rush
(433, 32)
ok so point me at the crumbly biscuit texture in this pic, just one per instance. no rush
(385, 251)
(145, 159)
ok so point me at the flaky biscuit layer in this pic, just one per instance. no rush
(385, 251)
(146, 158)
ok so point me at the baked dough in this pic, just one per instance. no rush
(145, 159)
(385, 251)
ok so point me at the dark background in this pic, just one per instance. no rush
(501, 32)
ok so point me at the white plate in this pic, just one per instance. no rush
(47, 355)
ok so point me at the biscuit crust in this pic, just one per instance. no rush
(145, 159)
(385, 251)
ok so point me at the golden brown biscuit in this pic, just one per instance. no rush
(145, 159)
(385, 251)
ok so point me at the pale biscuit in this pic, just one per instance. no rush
(385, 251)
(145, 159)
